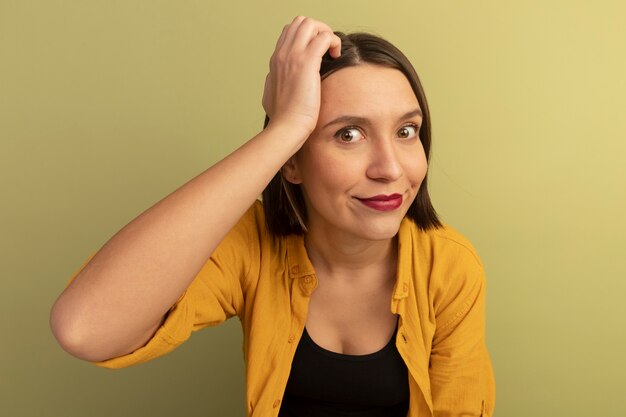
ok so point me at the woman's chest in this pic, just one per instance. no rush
(351, 320)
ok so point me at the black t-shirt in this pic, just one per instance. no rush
(326, 384)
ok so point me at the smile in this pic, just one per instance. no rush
(383, 202)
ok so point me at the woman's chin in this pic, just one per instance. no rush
(376, 231)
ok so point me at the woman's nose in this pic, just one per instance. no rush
(384, 164)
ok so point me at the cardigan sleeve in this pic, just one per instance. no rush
(461, 375)
(215, 295)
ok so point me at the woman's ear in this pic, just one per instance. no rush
(290, 171)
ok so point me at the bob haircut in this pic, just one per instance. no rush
(285, 209)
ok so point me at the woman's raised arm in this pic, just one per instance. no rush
(117, 302)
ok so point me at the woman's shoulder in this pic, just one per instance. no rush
(249, 232)
(252, 231)
(252, 221)
(452, 237)
(445, 266)
(255, 214)
(445, 243)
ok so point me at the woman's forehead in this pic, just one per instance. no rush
(366, 91)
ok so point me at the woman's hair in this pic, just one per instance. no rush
(285, 210)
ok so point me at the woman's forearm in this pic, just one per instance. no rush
(118, 300)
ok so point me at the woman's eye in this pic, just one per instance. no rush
(408, 131)
(349, 135)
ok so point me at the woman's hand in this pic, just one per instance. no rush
(292, 87)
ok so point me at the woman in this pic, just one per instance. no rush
(352, 296)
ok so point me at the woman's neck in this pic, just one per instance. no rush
(347, 258)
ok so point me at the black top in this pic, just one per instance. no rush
(326, 384)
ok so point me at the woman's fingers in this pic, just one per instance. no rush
(292, 28)
(302, 31)
(325, 41)
(281, 38)
(307, 31)
(335, 46)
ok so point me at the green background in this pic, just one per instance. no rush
(106, 107)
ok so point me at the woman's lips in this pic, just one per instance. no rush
(383, 202)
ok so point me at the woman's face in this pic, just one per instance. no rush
(362, 166)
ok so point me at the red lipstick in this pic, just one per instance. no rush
(383, 202)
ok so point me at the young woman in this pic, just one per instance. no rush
(354, 299)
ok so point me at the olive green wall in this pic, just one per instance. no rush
(105, 107)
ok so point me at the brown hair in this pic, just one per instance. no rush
(285, 210)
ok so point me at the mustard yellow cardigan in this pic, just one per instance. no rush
(439, 297)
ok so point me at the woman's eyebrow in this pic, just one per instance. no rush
(358, 120)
